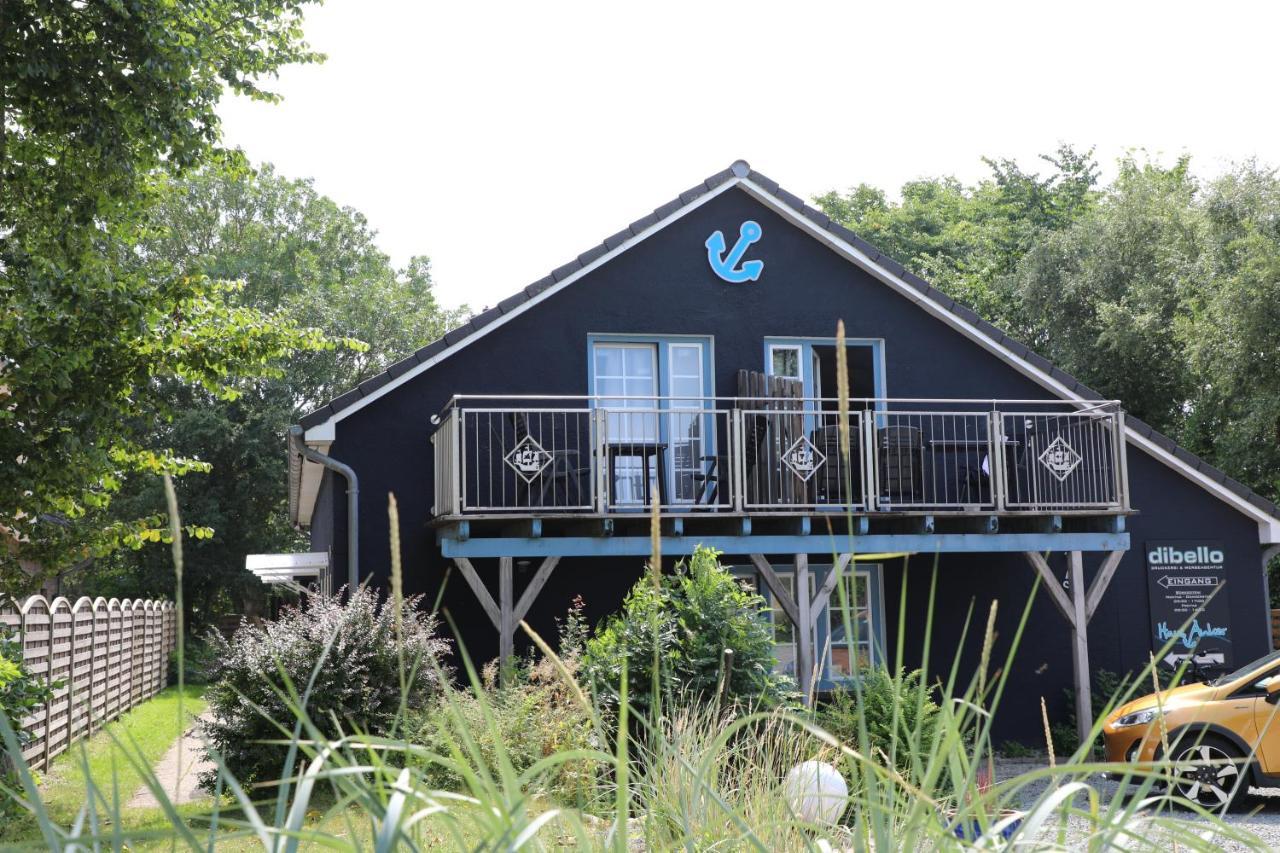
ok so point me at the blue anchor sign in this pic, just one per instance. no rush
(724, 265)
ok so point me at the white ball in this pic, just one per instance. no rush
(816, 791)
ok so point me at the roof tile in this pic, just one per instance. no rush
(963, 311)
(539, 285)
(618, 239)
(343, 400)
(316, 418)
(643, 223)
(790, 199)
(432, 349)
(455, 335)
(693, 193)
(403, 366)
(667, 209)
(486, 317)
(593, 254)
(513, 301)
(1038, 361)
(816, 216)
(560, 273)
(718, 178)
(769, 186)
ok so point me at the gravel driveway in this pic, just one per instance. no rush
(1257, 814)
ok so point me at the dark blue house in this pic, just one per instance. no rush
(690, 360)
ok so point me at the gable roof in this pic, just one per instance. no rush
(320, 424)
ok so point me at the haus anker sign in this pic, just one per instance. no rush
(1189, 605)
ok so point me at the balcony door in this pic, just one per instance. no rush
(655, 391)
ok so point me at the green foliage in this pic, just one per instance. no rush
(20, 691)
(1160, 289)
(896, 712)
(351, 650)
(1015, 749)
(535, 716)
(1104, 687)
(692, 616)
(97, 102)
(298, 254)
(198, 661)
(20, 694)
(966, 239)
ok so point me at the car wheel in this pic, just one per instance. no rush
(1208, 774)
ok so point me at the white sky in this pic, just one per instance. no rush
(504, 140)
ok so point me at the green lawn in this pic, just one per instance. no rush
(146, 732)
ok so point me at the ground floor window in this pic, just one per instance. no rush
(839, 652)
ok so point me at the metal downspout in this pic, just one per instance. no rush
(353, 501)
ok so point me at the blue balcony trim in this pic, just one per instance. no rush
(924, 543)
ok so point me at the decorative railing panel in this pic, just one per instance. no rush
(541, 456)
(102, 657)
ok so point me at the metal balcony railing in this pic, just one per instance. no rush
(552, 455)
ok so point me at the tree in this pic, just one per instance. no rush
(1105, 297)
(968, 239)
(300, 254)
(98, 101)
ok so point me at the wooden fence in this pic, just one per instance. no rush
(108, 656)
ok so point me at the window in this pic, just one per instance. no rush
(626, 378)
(848, 652)
(686, 425)
(784, 361)
(838, 656)
(784, 633)
(656, 392)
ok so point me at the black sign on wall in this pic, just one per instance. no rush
(1188, 600)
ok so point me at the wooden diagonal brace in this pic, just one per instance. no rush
(779, 590)
(535, 586)
(477, 586)
(1101, 580)
(822, 597)
(1051, 583)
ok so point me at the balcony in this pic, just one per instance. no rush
(560, 457)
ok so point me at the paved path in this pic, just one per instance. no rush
(187, 748)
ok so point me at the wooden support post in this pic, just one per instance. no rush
(506, 624)
(804, 629)
(1080, 648)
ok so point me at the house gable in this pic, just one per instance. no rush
(321, 425)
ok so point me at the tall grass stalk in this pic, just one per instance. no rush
(700, 777)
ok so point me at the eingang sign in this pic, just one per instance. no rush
(1189, 605)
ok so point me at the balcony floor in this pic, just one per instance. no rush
(629, 534)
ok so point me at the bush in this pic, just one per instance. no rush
(20, 694)
(535, 716)
(886, 698)
(199, 657)
(1106, 685)
(357, 684)
(692, 615)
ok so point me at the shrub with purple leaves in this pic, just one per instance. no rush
(350, 647)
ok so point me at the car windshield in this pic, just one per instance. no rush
(1273, 657)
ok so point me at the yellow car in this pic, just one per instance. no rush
(1214, 730)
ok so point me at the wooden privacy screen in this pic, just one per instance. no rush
(108, 656)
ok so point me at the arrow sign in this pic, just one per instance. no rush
(724, 265)
(1172, 581)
